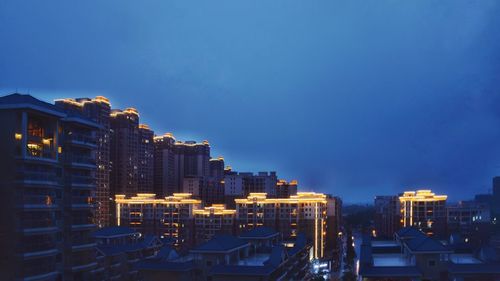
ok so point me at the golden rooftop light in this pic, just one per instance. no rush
(216, 209)
(144, 126)
(421, 195)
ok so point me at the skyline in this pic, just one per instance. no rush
(319, 107)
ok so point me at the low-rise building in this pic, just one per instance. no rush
(413, 255)
(120, 249)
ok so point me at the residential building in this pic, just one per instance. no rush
(170, 217)
(333, 227)
(98, 110)
(165, 177)
(387, 216)
(285, 189)
(470, 219)
(176, 160)
(305, 212)
(124, 152)
(425, 210)
(146, 159)
(46, 191)
(258, 256)
(213, 220)
(120, 249)
(217, 168)
(413, 255)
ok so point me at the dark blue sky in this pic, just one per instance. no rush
(355, 98)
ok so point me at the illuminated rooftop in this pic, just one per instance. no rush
(216, 209)
(150, 198)
(421, 195)
(301, 197)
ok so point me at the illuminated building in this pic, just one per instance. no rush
(305, 213)
(238, 185)
(98, 110)
(170, 217)
(424, 210)
(285, 189)
(146, 161)
(176, 160)
(46, 191)
(212, 220)
(165, 177)
(217, 168)
(124, 151)
(387, 215)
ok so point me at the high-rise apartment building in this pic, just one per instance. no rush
(146, 159)
(333, 226)
(239, 185)
(305, 213)
(176, 160)
(98, 110)
(46, 191)
(424, 210)
(165, 176)
(387, 215)
(124, 152)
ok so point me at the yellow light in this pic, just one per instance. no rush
(18, 136)
(46, 141)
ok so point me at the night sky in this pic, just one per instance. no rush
(353, 98)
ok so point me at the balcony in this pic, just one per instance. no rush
(44, 276)
(39, 178)
(81, 202)
(82, 181)
(82, 161)
(39, 201)
(37, 254)
(81, 139)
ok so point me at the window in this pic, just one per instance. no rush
(432, 263)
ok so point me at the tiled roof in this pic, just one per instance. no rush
(390, 271)
(482, 268)
(422, 243)
(259, 232)
(161, 265)
(242, 270)
(114, 231)
(221, 243)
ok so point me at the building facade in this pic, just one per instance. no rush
(387, 215)
(124, 152)
(305, 213)
(213, 220)
(98, 110)
(170, 217)
(424, 210)
(46, 191)
(146, 159)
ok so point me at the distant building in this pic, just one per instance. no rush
(424, 210)
(213, 220)
(285, 189)
(165, 171)
(470, 219)
(124, 156)
(333, 227)
(387, 216)
(176, 160)
(146, 159)
(98, 110)
(239, 185)
(47, 182)
(170, 217)
(305, 213)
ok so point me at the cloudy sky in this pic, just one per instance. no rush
(354, 98)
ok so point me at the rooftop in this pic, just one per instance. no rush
(221, 243)
(114, 231)
(259, 233)
(384, 260)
